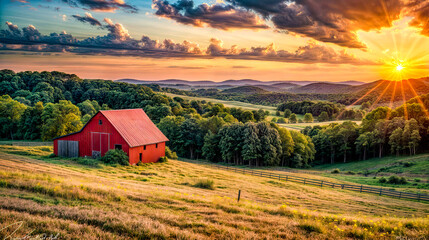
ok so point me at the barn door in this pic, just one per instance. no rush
(104, 147)
(100, 144)
(68, 148)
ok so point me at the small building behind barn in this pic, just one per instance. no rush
(130, 130)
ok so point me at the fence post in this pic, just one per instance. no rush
(418, 197)
(381, 189)
(360, 188)
(239, 193)
(342, 186)
(287, 177)
(321, 184)
(304, 180)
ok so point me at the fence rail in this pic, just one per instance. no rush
(323, 183)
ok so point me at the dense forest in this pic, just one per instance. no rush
(44, 105)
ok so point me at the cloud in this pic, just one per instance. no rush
(102, 5)
(88, 18)
(420, 11)
(336, 21)
(118, 42)
(219, 16)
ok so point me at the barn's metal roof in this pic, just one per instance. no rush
(134, 126)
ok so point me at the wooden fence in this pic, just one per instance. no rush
(323, 183)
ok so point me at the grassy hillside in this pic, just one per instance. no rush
(414, 169)
(236, 104)
(174, 200)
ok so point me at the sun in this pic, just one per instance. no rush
(399, 67)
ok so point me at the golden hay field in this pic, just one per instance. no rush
(161, 201)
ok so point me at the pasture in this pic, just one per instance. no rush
(186, 200)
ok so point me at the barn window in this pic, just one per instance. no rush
(118, 146)
(100, 122)
(144, 147)
(156, 145)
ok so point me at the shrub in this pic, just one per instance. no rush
(382, 180)
(417, 180)
(336, 170)
(163, 159)
(205, 183)
(397, 180)
(170, 154)
(281, 120)
(115, 156)
(52, 155)
(408, 164)
(350, 173)
(403, 180)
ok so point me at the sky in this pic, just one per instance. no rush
(331, 40)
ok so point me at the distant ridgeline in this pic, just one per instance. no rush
(44, 105)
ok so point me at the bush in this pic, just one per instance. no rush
(382, 180)
(403, 180)
(417, 180)
(336, 170)
(52, 155)
(163, 159)
(170, 154)
(115, 156)
(281, 120)
(205, 183)
(408, 164)
(350, 173)
(397, 180)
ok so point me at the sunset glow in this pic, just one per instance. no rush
(233, 41)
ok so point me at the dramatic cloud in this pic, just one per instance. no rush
(333, 21)
(219, 16)
(420, 11)
(118, 42)
(88, 18)
(102, 5)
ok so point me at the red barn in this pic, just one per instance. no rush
(130, 130)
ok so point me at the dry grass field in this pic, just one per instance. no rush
(172, 201)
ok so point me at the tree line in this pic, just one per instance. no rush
(384, 131)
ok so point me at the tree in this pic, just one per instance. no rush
(30, 125)
(323, 117)
(363, 142)
(395, 141)
(292, 118)
(210, 150)
(60, 119)
(287, 145)
(287, 113)
(247, 116)
(192, 137)
(348, 132)
(251, 151)
(414, 141)
(170, 126)
(303, 153)
(308, 118)
(10, 115)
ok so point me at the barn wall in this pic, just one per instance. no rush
(151, 154)
(84, 137)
